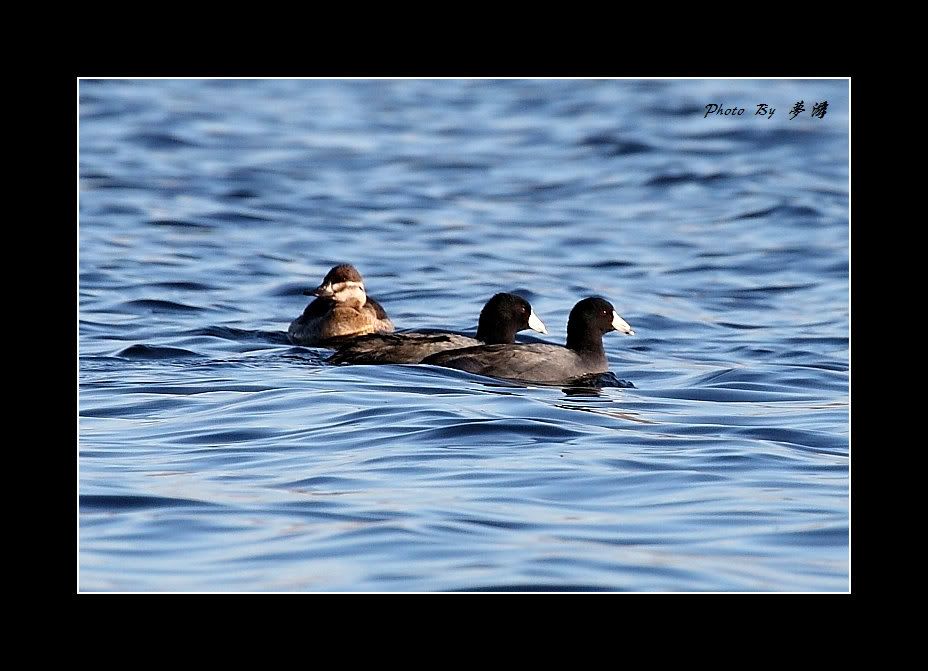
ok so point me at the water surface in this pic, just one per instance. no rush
(215, 456)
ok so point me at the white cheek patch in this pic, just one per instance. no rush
(536, 324)
(620, 324)
(349, 292)
(344, 286)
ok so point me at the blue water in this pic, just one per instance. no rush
(215, 456)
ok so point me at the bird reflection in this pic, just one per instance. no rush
(590, 385)
(582, 390)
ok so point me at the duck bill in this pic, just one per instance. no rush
(620, 324)
(322, 291)
(536, 324)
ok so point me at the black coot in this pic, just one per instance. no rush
(589, 320)
(501, 318)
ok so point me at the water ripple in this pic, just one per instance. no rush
(215, 455)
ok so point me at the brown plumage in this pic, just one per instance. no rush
(342, 308)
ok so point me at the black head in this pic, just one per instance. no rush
(589, 320)
(503, 316)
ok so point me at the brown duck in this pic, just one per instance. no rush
(342, 308)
